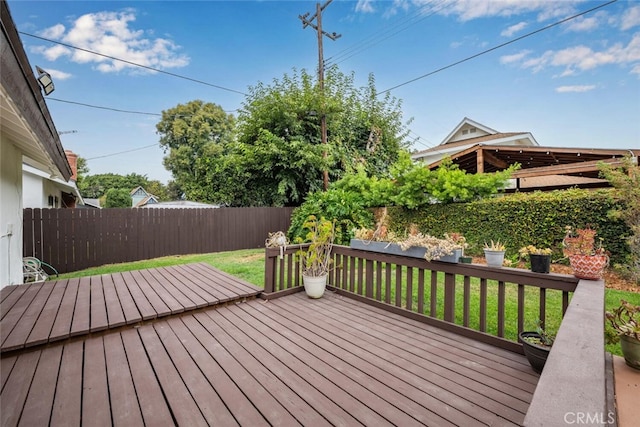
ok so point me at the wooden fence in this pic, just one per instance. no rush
(75, 239)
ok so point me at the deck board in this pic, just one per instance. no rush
(289, 361)
(56, 310)
(95, 387)
(36, 410)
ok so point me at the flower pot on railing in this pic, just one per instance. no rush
(590, 267)
(494, 258)
(540, 263)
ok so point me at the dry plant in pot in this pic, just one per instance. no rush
(540, 258)
(494, 253)
(587, 258)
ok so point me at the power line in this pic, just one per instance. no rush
(117, 109)
(381, 36)
(133, 63)
(498, 46)
(124, 152)
(103, 108)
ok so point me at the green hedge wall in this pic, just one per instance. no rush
(522, 219)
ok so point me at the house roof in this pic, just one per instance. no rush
(180, 204)
(26, 121)
(467, 134)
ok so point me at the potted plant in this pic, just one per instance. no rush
(415, 244)
(494, 253)
(587, 259)
(540, 258)
(316, 260)
(625, 321)
(536, 345)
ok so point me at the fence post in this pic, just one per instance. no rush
(269, 271)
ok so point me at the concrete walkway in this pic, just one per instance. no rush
(627, 389)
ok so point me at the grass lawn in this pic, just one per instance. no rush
(249, 265)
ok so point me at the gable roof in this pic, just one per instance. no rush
(468, 124)
(469, 133)
(26, 121)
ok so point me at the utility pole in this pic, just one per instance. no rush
(308, 22)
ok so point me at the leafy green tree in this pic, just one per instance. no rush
(626, 181)
(194, 137)
(279, 150)
(117, 198)
(96, 186)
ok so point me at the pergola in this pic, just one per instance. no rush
(542, 167)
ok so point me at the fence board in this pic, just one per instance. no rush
(75, 239)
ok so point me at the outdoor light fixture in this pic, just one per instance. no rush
(45, 81)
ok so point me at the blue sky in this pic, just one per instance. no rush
(574, 85)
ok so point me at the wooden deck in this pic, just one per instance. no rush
(56, 310)
(288, 361)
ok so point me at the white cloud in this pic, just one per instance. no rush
(365, 6)
(516, 57)
(58, 75)
(467, 10)
(109, 33)
(636, 70)
(54, 32)
(631, 18)
(514, 29)
(576, 88)
(583, 24)
(584, 58)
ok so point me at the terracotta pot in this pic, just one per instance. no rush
(590, 267)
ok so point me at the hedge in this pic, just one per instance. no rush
(522, 219)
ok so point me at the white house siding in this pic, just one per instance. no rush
(33, 191)
(10, 213)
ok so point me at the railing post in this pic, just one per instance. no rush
(449, 297)
(269, 272)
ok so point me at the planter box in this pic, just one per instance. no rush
(394, 249)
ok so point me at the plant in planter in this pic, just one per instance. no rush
(494, 253)
(316, 260)
(537, 345)
(448, 249)
(587, 259)
(625, 321)
(540, 258)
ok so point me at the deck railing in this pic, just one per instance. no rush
(479, 301)
(489, 304)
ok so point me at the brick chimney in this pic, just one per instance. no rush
(72, 158)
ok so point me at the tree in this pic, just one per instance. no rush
(95, 186)
(277, 158)
(279, 151)
(117, 198)
(194, 136)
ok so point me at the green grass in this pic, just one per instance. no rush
(249, 265)
(246, 264)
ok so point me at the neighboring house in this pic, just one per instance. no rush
(41, 190)
(181, 204)
(140, 198)
(469, 133)
(92, 203)
(477, 148)
(27, 135)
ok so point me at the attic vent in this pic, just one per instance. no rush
(472, 130)
(464, 132)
